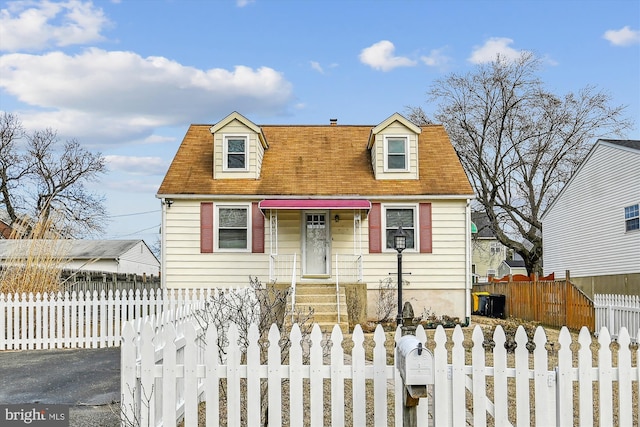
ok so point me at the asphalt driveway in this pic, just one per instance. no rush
(87, 380)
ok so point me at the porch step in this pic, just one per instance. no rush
(322, 299)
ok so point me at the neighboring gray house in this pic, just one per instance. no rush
(592, 228)
(111, 256)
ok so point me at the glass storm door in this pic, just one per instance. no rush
(316, 245)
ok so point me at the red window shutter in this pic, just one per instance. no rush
(257, 229)
(375, 230)
(206, 228)
(426, 245)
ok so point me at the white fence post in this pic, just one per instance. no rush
(552, 388)
(616, 311)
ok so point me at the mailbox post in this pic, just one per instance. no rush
(399, 244)
(415, 364)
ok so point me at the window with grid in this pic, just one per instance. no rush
(233, 227)
(396, 217)
(632, 217)
(235, 152)
(397, 154)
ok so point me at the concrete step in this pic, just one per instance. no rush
(315, 289)
(322, 299)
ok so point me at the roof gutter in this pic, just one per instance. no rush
(272, 196)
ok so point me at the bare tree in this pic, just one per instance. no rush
(518, 142)
(12, 170)
(40, 175)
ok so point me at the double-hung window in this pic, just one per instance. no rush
(233, 227)
(400, 216)
(496, 248)
(396, 157)
(235, 152)
(632, 217)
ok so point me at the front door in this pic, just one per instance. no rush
(316, 244)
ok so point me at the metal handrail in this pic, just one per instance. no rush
(337, 288)
(293, 288)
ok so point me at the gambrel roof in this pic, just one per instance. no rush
(322, 160)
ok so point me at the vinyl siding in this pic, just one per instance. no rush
(444, 268)
(103, 265)
(378, 153)
(584, 230)
(254, 153)
(187, 267)
(482, 257)
(139, 260)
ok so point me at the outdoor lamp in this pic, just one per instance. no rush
(399, 240)
(399, 244)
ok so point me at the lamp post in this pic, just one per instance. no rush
(399, 244)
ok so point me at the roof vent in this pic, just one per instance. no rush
(333, 122)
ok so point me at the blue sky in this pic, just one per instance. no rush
(127, 77)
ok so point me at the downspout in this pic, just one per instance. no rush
(467, 264)
(163, 244)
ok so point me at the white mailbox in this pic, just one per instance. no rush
(414, 362)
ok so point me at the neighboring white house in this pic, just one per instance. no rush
(319, 205)
(592, 228)
(110, 256)
(511, 267)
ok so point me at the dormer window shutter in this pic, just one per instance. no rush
(206, 227)
(257, 229)
(426, 235)
(375, 229)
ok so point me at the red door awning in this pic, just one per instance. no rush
(315, 204)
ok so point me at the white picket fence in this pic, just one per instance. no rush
(616, 311)
(167, 372)
(84, 320)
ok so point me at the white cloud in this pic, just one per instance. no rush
(380, 56)
(34, 25)
(316, 66)
(493, 47)
(320, 68)
(436, 58)
(137, 165)
(622, 37)
(158, 139)
(243, 3)
(130, 186)
(111, 95)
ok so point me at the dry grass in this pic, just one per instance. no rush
(34, 264)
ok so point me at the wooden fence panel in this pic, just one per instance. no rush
(552, 303)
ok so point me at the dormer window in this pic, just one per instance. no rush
(235, 152)
(396, 153)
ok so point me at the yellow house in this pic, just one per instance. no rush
(488, 254)
(318, 205)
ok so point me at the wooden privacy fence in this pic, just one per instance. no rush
(616, 311)
(551, 302)
(85, 319)
(167, 372)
